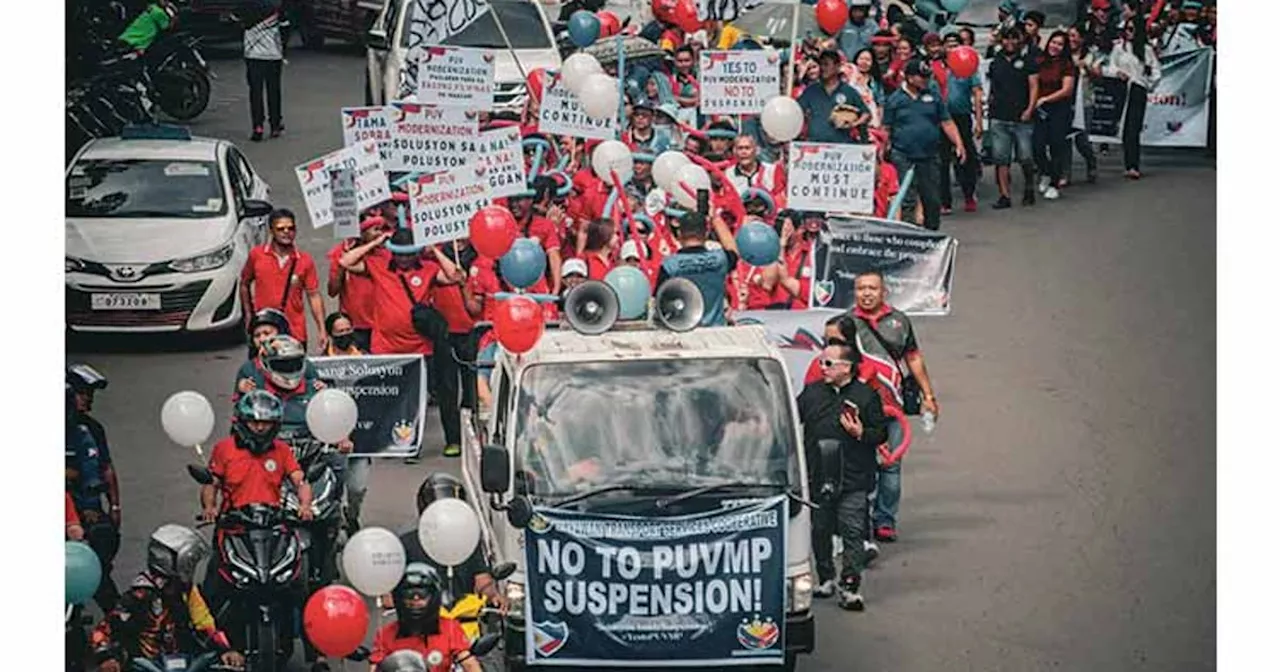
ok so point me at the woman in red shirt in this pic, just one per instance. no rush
(420, 628)
(596, 243)
(1053, 113)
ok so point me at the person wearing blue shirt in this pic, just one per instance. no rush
(858, 32)
(706, 267)
(825, 96)
(916, 118)
(964, 96)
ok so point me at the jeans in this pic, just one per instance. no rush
(264, 75)
(967, 172)
(451, 393)
(926, 184)
(889, 486)
(1049, 140)
(357, 482)
(1132, 134)
(850, 520)
(1008, 136)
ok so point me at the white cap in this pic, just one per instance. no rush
(572, 266)
(859, 3)
(630, 251)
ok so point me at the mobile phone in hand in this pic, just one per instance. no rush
(850, 409)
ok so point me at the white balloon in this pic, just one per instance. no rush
(187, 418)
(331, 415)
(613, 156)
(575, 70)
(449, 531)
(694, 177)
(599, 96)
(665, 167)
(782, 118)
(373, 561)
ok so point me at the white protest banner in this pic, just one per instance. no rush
(427, 139)
(561, 114)
(456, 77)
(370, 180)
(501, 153)
(364, 124)
(738, 82)
(346, 216)
(1178, 107)
(433, 22)
(441, 204)
(832, 178)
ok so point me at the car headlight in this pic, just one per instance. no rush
(74, 265)
(205, 262)
(515, 598)
(800, 592)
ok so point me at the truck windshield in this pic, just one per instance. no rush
(468, 24)
(663, 424)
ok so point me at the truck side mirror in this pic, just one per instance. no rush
(519, 512)
(502, 570)
(495, 469)
(376, 39)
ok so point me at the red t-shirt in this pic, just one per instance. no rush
(393, 332)
(72, 517)
(485, 283)
(246, 478)
(798, 267)
(356, 298)
(542, 230)
(451, 641)
(268, 273)
(449, 301)
(597, 268)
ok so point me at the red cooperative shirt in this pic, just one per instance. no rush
(393, 332)
(542, 230)
(485, 283)
(246, 478)
(268, 273)
(597, 268)
(450, 642)
(449, 301)
(356, 298)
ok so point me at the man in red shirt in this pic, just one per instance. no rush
(460, 308)
(354, 291)
(277, 274)
(420, 628)
(539, 228)
(249, 467)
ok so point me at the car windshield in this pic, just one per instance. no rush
(145, 188)
(675, 423)
(474, 27)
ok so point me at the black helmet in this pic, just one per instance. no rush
(439, 486)
(262, 406)
(420, 581)
(272, 317)
(85, 378)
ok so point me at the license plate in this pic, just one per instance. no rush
(175, 663)
(124, 301)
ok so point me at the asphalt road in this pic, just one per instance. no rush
(1062, 515)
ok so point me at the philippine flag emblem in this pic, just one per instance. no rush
(822, 291)
(549, 637)
(756, 634)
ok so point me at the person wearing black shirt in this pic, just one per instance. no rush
(842, 409)
(1014, 90)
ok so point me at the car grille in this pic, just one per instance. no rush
(176, 306)
(509, 97)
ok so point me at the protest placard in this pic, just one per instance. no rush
(700, 589)
(428, 139)
(832, 178)
(364, 124)
(501, 153)
(456, 77)
(918, 265)
(738, 82)
(346, 216)
(1178, 105)
(561, 114)
(441, 204)
(391, 402)
(370, 180)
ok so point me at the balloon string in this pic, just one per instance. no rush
(622, 196)
(199, 451)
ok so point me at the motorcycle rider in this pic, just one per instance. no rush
(147, 26)
(265, 325)
(163, 610)
(91, 475)
(419, 626)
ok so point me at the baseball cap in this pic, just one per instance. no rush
(931, 38)
(630, 250)
(829, 53)
(917, 66)
(573, 267)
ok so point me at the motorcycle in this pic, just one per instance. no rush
(472, 611)
(180, 76)
(412, 661)
(77, 637)
(205, 662)
(323, 468)
(262, 579)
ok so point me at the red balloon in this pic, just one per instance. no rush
(537, 77)
(610, 25)
(685, 16)
(335, 620)
(831, 15)
(518, 323)
(493, 231)
(963, 61)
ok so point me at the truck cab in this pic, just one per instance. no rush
(644, 423)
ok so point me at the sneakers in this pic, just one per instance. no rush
(257, 134)
(1051, 193)
(1029, 197)
(970, 204)
(872, 551)
(1133, 174)
(825, 589)
(886, 534)
(452, 450)
(851, 594)
(1043, 184)
(1003, 204)
(946, 209)
(277, 131)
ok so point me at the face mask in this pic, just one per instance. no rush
(344, 341)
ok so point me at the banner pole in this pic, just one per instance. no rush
(791, 57)
(512, 50)
(901, 196)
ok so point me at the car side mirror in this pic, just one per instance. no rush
(200, 474)
(495, 469)
(519, 512)
(376, 38)
(502, 570)
(255, 208)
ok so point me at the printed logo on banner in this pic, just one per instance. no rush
(822, 291)
(402, 434)
(389, 391)
(549, 637)
(757, 634)
(539, 524)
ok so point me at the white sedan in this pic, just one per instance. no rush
(159, 225)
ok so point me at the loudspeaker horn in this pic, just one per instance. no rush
(678, 305)
(591, 308)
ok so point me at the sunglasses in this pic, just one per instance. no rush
(828, 363)
(285, 229)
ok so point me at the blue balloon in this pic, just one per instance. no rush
(632, 287)
(955, 6)
(758, 244)
(84, 572)
(524, 264)
(584, 28)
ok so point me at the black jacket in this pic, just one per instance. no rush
(820, 407)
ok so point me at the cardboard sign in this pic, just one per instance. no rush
(501, 153)
(456, 77)
(441, 204)
(561, 114)
(738, 82)
(346, 216)
(832, 178)
(365, 124)
(370, 180)
(428, 139)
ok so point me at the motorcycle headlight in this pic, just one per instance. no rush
(515, 598)
(205, 262)
(800, 592)
(74, 265)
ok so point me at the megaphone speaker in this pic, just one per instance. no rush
(679, 305)
(591, 308)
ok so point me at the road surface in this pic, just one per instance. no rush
(1062, 515)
